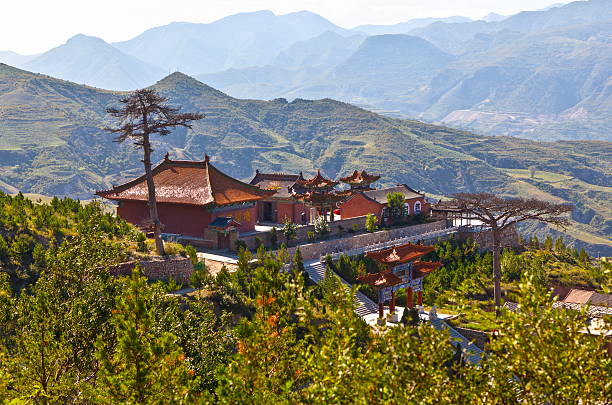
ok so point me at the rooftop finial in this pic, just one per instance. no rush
(167, 156)
(206, 159)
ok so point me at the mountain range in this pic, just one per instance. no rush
(541, 75)
(52, 142)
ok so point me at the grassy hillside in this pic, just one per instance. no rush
(51, 143)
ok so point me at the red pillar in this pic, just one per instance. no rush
(381, 310)
(392, 303)
(409, 302)
(420, 298)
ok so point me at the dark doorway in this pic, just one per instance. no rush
(268, 212)
(223, 240)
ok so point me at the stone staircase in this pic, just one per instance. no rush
(365, 306)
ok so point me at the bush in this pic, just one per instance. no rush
(311, 235)
(289, 230)
(192, 254)
(321, 227)
(370, 224)
(141, 239)
(200, 276)
(172, 248)
(240, 245)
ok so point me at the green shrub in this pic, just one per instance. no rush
(240, 245)
(173, 248)
(370, 224)
(192, 253)
(311, 235)
(141, 244)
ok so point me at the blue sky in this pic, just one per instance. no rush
(32, 26)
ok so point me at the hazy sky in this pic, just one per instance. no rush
(31, 26)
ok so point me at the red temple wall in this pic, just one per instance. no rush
(298, 208)
(183, 219)
(284, 211)
(358, 206)
(425, 206)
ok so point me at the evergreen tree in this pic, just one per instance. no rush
(5, 253)
(548, 243)
(560, 245)
(142, 367)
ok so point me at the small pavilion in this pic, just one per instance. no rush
(359, 181)
(320, 195)
(403, 269)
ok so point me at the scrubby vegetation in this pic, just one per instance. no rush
(31, 231)
(263, 334)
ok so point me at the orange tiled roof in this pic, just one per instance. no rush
(318, 182)
(400, 254)
(286, 185)
(420, 269)
(188, 182)
(380, 280)
(359, 177)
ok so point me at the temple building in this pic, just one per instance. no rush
(320, 196)
(193, 199)
(375, 202)
(283, 204)
(403, 269)
(359, 181)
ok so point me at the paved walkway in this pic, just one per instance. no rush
(368, 309)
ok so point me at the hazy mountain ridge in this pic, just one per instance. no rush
(238, 41)
(90, 60)
(538, 74)
(51, 142)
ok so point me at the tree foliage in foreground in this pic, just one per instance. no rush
(81, 336)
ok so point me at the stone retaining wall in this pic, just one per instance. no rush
(509, 238)
(317, 249)
(336, 228)
(177, 268)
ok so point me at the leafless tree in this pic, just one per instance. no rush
(145, 113)
(498, 214)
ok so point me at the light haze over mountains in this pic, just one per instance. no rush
(540, 74)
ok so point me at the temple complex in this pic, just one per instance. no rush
(193, 199)
(403, 269)
(197, 201)
(284, 204)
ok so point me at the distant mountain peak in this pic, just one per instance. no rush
(84, 39)
(179, 79)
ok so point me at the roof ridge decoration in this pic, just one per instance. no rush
(319, 182)
(359, 177)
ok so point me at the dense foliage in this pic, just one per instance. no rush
(263, 334)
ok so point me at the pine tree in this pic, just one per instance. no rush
(548, 243)
(560, 245)
(144, 366)
(5, 253)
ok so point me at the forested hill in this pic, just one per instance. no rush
(52, 143)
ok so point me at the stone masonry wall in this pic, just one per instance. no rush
(177, 268)
(336, 228)
(317, 249)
